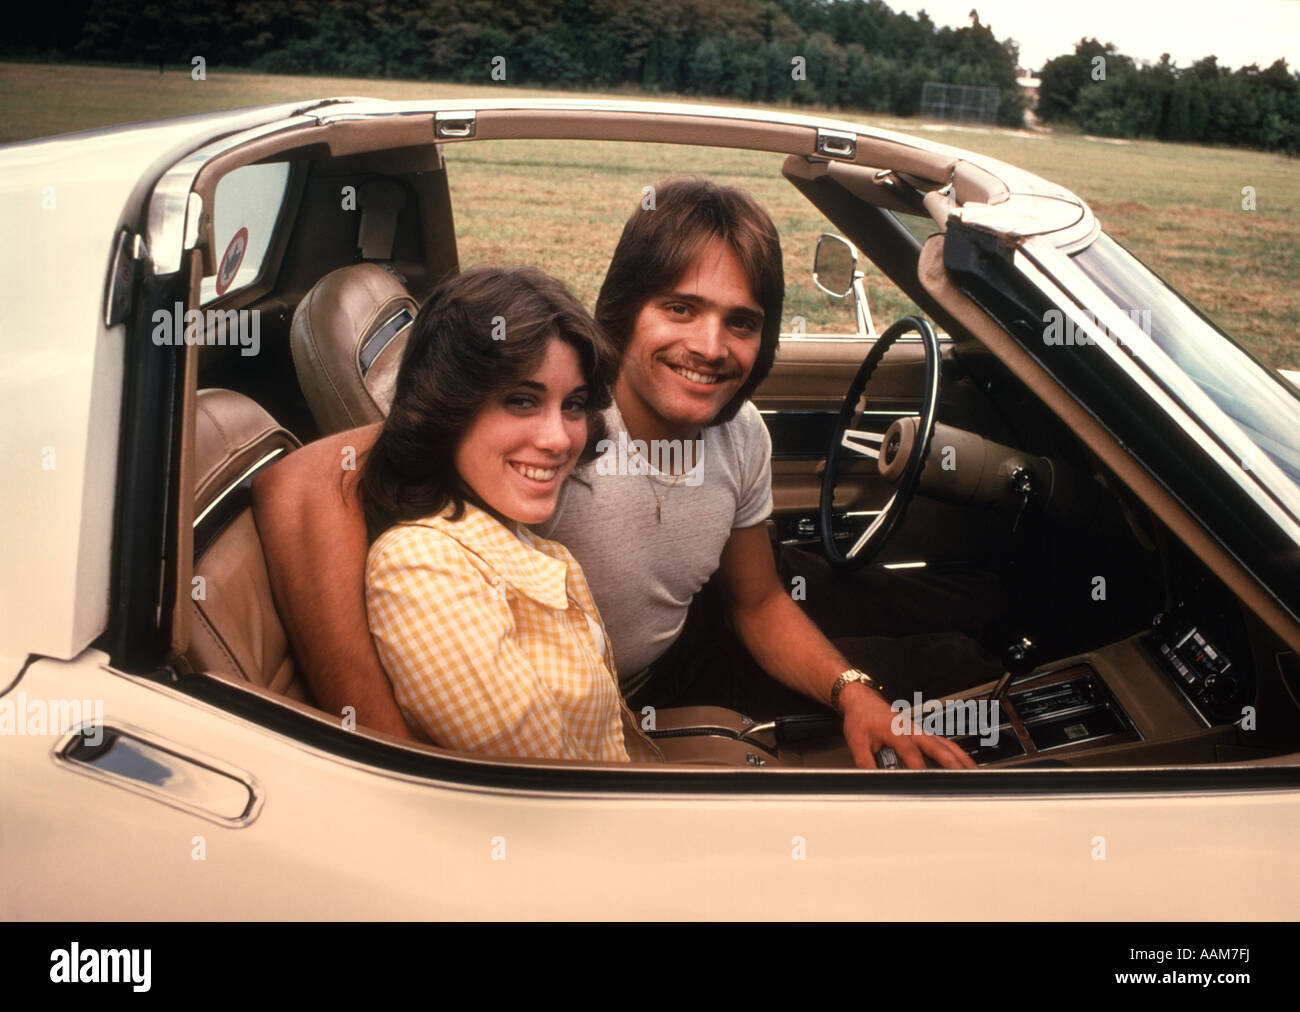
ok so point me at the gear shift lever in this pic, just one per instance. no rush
(1019, 659)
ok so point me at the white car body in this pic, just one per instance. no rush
(383, 831)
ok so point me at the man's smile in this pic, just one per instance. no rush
(703, 377)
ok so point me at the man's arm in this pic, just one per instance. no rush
(314, 536)
(789, 646)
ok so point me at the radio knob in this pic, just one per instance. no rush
(1221, 690)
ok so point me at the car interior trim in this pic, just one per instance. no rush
(1210, 441)
(233, 499)
(1149, 433)
(148, 460)
(380, 340)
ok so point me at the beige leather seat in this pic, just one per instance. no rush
(347, 339)
(234, 627)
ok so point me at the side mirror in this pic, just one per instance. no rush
(835, 272)
(834, 265)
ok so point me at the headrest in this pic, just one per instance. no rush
(347, 338)
(233, 440)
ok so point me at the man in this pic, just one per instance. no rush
(693, 299)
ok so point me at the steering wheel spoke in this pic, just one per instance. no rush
(865, 536)
(850, 441)
(863, 442)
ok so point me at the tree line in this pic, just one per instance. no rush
(1105, 92)
(855, 54)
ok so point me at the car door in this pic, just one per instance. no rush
(211, 801)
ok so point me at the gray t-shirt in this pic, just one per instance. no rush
(644, 571)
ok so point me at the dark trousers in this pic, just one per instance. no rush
(931, 631)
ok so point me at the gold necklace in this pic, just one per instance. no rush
(659, 499)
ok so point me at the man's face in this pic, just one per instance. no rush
(692, 348)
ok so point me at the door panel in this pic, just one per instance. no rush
(811, 374)
(448, 848)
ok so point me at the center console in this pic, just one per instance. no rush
(1170, 694)
(1046, 713)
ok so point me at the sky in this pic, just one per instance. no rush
(1238, 32)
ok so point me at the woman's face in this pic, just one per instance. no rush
(523, 443)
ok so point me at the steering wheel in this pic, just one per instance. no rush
(902, 439)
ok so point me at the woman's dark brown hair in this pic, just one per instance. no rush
(477, 334)
(658, 245)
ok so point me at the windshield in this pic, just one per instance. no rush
(1262, 403)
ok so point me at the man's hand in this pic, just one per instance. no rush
(868, 727)
(790, 648)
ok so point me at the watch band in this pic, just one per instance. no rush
(851, 675)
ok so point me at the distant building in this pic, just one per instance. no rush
(1028, 86)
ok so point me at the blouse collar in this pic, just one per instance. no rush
(530, 570)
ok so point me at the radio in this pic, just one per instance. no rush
(1200, 666)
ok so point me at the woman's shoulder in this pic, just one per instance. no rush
(427, 541)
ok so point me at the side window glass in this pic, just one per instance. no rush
(921, 226)
(245, 209)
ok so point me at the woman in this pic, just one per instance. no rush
(489, 633)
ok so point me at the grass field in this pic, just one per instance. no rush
(1177, 206)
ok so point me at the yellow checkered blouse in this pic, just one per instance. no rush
(493, 643)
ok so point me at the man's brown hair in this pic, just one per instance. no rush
(658, 246)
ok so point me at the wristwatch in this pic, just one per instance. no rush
(852, 675)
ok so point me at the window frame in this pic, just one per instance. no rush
(282, 229)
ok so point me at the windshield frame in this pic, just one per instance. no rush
(1117, 271)
(1110, 326)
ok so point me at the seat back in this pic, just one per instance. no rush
(234, 626)
(347, 338)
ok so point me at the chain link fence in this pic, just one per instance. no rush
(960, 102)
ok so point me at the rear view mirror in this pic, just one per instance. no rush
(834, 265)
